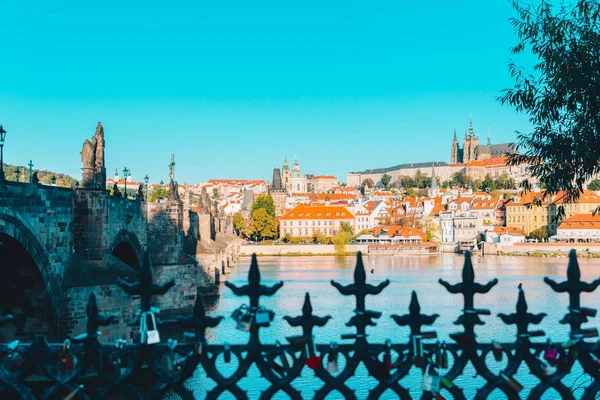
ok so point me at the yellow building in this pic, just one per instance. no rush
(519, 215)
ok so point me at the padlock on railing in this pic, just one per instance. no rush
(285, 363)
(417, 351)
(332, 359)
(441, 356)
(313, 361)
(227, 352)
(174, 360)
(263, 316)
(546, 368)
(74, 393)
(551, 354)
(238, 312)
(152, 334)
(463, 338)
(512, 383)
(589, 333)
(497, 350)
(387, 356)
(431, 383)
(198, 345)
(584, 311)
(245, 322)
(67, 361)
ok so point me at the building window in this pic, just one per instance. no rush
(284, 223)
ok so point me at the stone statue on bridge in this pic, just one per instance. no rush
(92, 157)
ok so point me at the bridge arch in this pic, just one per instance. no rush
(127, 247)
(28, 286)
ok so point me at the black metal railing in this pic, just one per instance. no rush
(83, 367)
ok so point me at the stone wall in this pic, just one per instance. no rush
(112, 300)
(274, 250)
(550, 248)
(40, 219)
(165, 232)
(101, 221)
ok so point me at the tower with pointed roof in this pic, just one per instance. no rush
(285, 175)
(434, 190)
(470, 144)
(454, 152)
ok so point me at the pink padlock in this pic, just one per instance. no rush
(551, 355)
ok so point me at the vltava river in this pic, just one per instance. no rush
(406, 273)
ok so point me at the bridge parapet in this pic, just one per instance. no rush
(101, 220)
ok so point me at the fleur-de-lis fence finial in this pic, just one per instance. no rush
(522, 319)
(574, 286)
(360, 289)
(468, 287)
(414, 319)
(199, 321)
(146, 287)
(307, 320)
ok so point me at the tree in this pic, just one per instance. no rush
(407, 182)
(432, 229)
(559, 95)
(385, 181)
(215, 193)
(488, 184)
(321, 238)
(504, 181)
(346, 227)
(263, 224)
(411, 192)
(340, 240)
(369, 183)
(477, 185)
(594, 185)
(264, 201)
(422, 180)
(238, 221)
(287, 238)
(460, 179)
(159, 192)
(540, 234)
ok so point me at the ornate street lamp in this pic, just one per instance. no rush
(53, 180)
(2, 137)
(76, 184)
(18, 174)
(30, 171)
(125, 172)
(146, 180)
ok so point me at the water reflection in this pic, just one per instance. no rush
(406, 273)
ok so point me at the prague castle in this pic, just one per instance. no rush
(473, 151)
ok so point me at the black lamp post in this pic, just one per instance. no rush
(18, 174)
(2, 137)
(125, 172)
(146, 180)
(53, 180)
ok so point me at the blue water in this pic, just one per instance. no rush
(406, 273)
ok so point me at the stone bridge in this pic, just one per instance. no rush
(59, 244)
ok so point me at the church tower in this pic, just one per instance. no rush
(454, 159)
(471, 142)
(285, 176)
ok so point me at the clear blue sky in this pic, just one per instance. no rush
(231, 87)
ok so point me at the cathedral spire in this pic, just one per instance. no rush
(455, 139)
(489, 138)
(471, 134)
(434, 185)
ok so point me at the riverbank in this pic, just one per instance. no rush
(293, 250)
